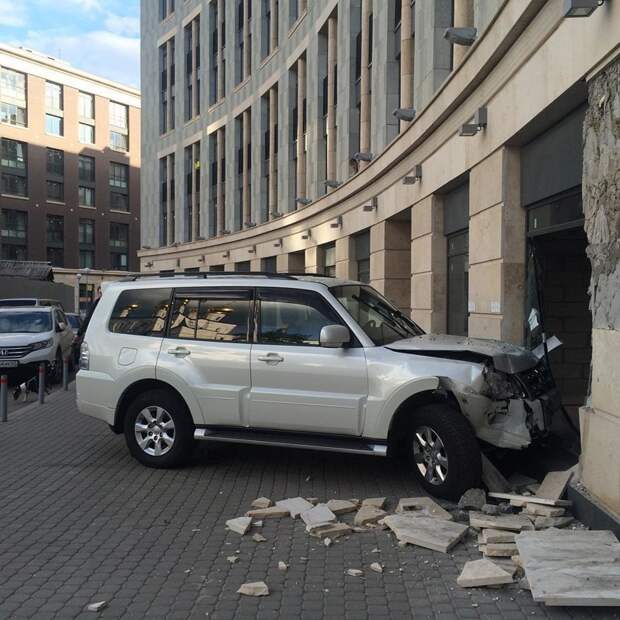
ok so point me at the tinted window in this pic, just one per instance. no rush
(74, 321)
(141, 312)
(294, 317)
(25, 322)
(217, 317)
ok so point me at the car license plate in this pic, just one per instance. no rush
(9, 363)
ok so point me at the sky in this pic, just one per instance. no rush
(98, 36)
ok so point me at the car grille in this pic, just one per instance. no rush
(13, 353)
(537, 381)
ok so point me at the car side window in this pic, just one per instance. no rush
(214, 316)
(140, 312)
(293, 317)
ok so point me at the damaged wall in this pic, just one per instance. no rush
(601, 202)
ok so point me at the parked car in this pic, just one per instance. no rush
(305, 362)
(31, 335)
(13, 302)
(75, 323)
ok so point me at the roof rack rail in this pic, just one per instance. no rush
(223, 274)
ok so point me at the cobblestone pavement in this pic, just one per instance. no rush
(80, 522)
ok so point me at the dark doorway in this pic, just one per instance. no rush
(458, 283)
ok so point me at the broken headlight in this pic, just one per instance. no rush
(501, 386)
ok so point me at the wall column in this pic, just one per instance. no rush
(365, 83)
(463, 16)
(301, 151)
(406, 59)
(332, 59)
(247, 52)
(169, 201)
(273, 25)
(428, 265)
(273, 155)
(245, 177)
(221, 179)
(220, 50)
(312, 260)
(346, 264)
(390, 262)
(497, 235)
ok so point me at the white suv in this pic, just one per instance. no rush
(307, 362)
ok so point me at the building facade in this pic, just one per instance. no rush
(359, 138)
(70, 167)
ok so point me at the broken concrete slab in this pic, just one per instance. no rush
(520, 482)
(541, 523)
(240, 525)
(522, 500)
(506, 564)
(492, 477)
(261, 502)
(422, 506)
(477, 573)
(318, 515)
(282, 565)
(97, 606)
(354, 572)
(497, 536)
(473, 499)
(295, 505)
(368, 514)
(258, 538)
(554, 484)
(313, 500)
(274, 512)
(500, 550)
(515, 523)
(327, 542)
(375, 566)
(375, 502)
(571, 567)
(540, 510)
(491, 509)
(255, 588)
(429, 532)
(233, 559)
(341, 506)
(330, 530)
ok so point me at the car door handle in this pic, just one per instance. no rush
(179, 352)
(273, 358)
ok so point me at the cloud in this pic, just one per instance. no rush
(12, 15)
(122, 25)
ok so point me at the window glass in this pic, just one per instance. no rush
(141, 312)
(118, 115)
(86, 169)
(55, 162)
(87, 133)
(86, 106)
(55, 191)
(13, 154)
(53, 125)
(53, 96)
(294, 317)
(86, 196)
(184, 315)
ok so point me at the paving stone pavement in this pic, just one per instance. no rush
(81, 522)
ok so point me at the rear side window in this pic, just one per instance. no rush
(141, 312)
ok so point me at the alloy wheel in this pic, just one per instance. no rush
(154, 431)
(430, 455)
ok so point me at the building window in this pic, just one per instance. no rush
(86, 196)
(86, 133)
(86, 240)
(293, 12)
(55, 240)
(86, 106)
(13, 104)
(192, 191)
(86, 169)
(166, 8)
(13, 234)
(53, 97)
(53, 125)
(119, 187)
(13, 164)
(329, 259)
(245, 266)
(362, 256)
(166, 86)
(119, 126)
(55, 162)
(270, 264)
(166, 199)
(192, 73)
(119, 246)
(55, 191)
(87, 259)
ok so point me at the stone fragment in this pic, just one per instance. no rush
(258, 538)
(327, 542)
(507, 565)
(516, 559)
(376, 567)
(331, 530)
(313, 500)
(317, 516)
(422, 506)
(477, 573)
(257, 523)
(520, 483)
(473, 499)
(255, 588)
(543, 511)
(341, 506)
(554, 484)
(500, 550)
(506, 508)
(492, 477)
(354, 572)
(233, 559)
(368, 514)
(283, 566)
(497, 536)
(460, 515)
(97, 606)
(375, 502)
(541, 523)
(261, 502)
(240, 525)
(295, 505)
(428, 532)
(491, 509)
(273, 512)
(524, 584)
(522, 500)
(502, 522)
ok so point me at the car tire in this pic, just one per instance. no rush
(443, 450)
(159, 430)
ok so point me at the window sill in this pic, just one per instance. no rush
(241, 84)
(119, 211)
(91, 144)
(296, 23)
(87, 207)
(13, 125)
(54, 135)
(15, 196)
(269, 56)
(56, 202)
(216, 105)
(191, 121)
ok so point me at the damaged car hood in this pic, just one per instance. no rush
(506, 357)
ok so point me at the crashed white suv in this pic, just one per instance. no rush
(306, 362)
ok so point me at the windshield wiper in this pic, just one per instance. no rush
(398, 327)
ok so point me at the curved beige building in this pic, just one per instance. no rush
(270, 143)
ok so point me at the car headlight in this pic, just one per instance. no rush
(43, 344)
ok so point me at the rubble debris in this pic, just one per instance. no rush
(255, 588)
(516, 559)
(294, 505)
(257, 523)
(317, 516)
(540, 510)
(461, 515)
(473, 499)
(522, 500)
(506, 508)
(500, 550)
(273, 512)
(375, 502)
(571, 567)
(503, 522)
(541, 523)
(97, 606)
(554, 484)
(327, 542)
(261, 502)
(477, 573)
(506, 564)
(491, 509)
(283, 566)
(428, 532)
(524, 584)
(354, 572)
(368, 514)
(341, 506)
(520, 483)
(313, 500)
(423, 506)
(497, 536)
(330, 530)
(375, 566)
(492, 478)
(258, 538)
(240, 525)
(233, 559)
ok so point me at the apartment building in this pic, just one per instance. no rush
(442, 151)
(70, 167)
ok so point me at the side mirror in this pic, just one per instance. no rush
(61, 326)
(334, 336)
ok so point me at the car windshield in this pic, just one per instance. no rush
(382, 322)
(25, 322)
(74, 321)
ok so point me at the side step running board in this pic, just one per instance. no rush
(291, 440)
